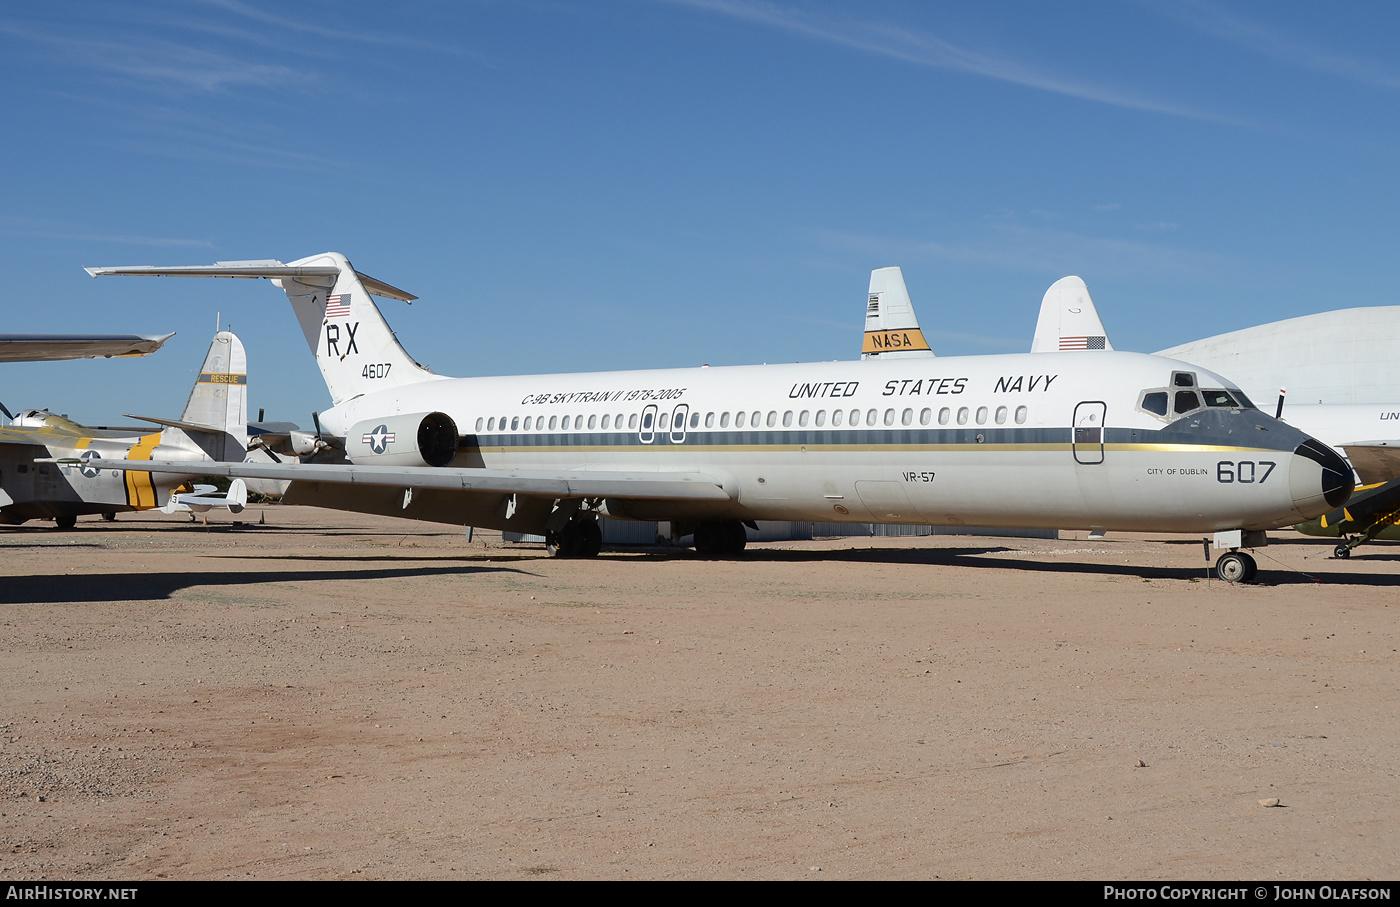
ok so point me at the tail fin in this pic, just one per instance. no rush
(1068, 320)
(891, 327)
(350, 339)
(215, 419)
(353, 345)
(219, 400)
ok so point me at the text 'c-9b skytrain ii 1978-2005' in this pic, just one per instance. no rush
(1029, 441)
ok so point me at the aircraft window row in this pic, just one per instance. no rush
(756, 419)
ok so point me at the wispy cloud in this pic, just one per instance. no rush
(282, 22)
(128, 240)
(1273, 43)
(161, 64)
(922, 49)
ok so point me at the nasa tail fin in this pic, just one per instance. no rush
(353, 345)
(215, 419)
(1068, 320)
(891, 327)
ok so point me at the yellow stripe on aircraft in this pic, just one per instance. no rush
(889, 341)
(220, 378)
(140, 492)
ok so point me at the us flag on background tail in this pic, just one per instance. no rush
(1082, 343)
(339, 307)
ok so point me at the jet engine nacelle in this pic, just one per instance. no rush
(414, 439)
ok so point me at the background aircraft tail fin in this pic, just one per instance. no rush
(218, 401)
(891, 327)
(1068, 320)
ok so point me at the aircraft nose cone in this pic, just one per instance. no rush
(1321, 481)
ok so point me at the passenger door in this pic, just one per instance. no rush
(1088, 432)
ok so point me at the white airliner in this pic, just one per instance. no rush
(1014, 440)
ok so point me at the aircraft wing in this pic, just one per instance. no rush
(564, 483)
(48, 347)
(1376, 462)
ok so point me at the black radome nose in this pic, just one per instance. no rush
(1337, 480)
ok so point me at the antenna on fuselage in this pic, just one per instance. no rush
(1278, 413)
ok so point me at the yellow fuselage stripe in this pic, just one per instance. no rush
(140, 492)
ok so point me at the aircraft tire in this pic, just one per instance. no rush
(590, 539)
(108, 517)
(736, 538)
(1234, 567)
(67, 521)
(1341, 552)
(564, 543)
(709, 539)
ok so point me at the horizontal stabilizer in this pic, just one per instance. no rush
(1375, 462)
(176, 423)
(323, 275)
(567, 483)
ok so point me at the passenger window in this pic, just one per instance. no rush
(527, 423)
(943, 415)
(802, 418)
(925, 416)
(1021, 414)
(907, 417)
(772, 417)
(695, 419)
(787, 419)
(479, 420)
(646, 421)
(606, 419)
(872, 416)
(739, 418)
(491, 424)
(709, 420)
(753, 419)
(1155, 403)
(981, 415)
(836, 416)
(724, 419)
(564, 424)
(632, 421)
(1001, 415)
(592, 422)
(663, 422)
(821, 418)
(962, 415)
(889, 417)
(1186, 401)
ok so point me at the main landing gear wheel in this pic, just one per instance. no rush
(108, 517)
(582, 539)
(720, 539)
(1342, 551)
(65, 522)
(1236, 567)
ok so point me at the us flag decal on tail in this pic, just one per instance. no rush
(1083, 343)
(338, 306)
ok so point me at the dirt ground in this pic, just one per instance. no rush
(336, 696)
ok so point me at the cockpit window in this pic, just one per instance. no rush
(1219, 398)
(1183, 379)
(1186, 401)
(1155, 402)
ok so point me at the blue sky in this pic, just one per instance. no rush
(643, 183)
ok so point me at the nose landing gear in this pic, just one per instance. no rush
(1236, 567)
(577, 538)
